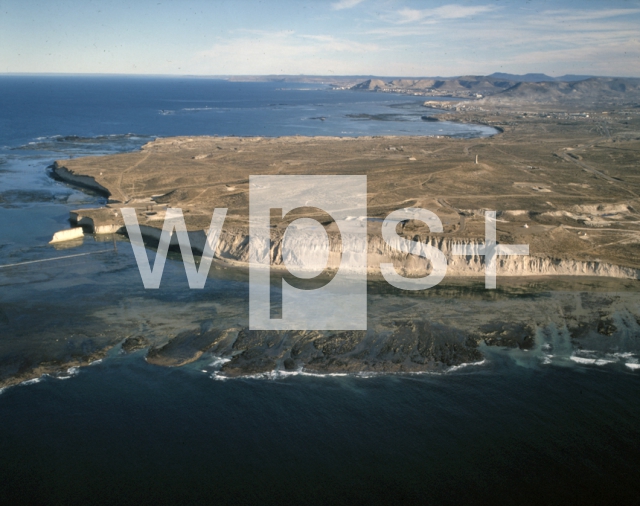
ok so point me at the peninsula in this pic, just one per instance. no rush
(568, 185)
(563, 178)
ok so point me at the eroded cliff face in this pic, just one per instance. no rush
(61, 172)
(233, 244)
(233, 247)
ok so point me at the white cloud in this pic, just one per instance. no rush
(429, 42)
(385, 37)
(605, 58)
(587, 41)
(424, 42)
(574, 15)
(284, 52)
(345, 4)
(411, 15)
(330, 43)
(452, 11)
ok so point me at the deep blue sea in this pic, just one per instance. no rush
(124, 431)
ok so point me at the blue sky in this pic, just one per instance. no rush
(340, 37)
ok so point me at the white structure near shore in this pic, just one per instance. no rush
(67, 235)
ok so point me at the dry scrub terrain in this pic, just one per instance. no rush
(568, 185)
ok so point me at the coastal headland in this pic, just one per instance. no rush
(567, 187)
(561, 180)
(566, 184)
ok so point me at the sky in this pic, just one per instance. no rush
(339, 37)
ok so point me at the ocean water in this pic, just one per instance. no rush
(113, 106)
(520, 427)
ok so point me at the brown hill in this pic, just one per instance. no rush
(464, 86)
(597, 90)
(370, 84)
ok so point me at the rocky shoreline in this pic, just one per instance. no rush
(436, 332)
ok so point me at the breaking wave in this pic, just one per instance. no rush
(278, 374)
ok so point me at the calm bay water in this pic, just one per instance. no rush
(504, 431)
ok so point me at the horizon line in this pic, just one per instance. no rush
(345, 76)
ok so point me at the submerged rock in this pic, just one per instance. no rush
(131, 344)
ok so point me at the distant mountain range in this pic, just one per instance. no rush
(497, 88)
(595, 90)
(511, 89)
(538, 78)
(459, 86)
(283, 78)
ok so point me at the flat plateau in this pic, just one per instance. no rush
(568, 187)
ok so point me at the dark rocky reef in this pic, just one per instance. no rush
(408, 346)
